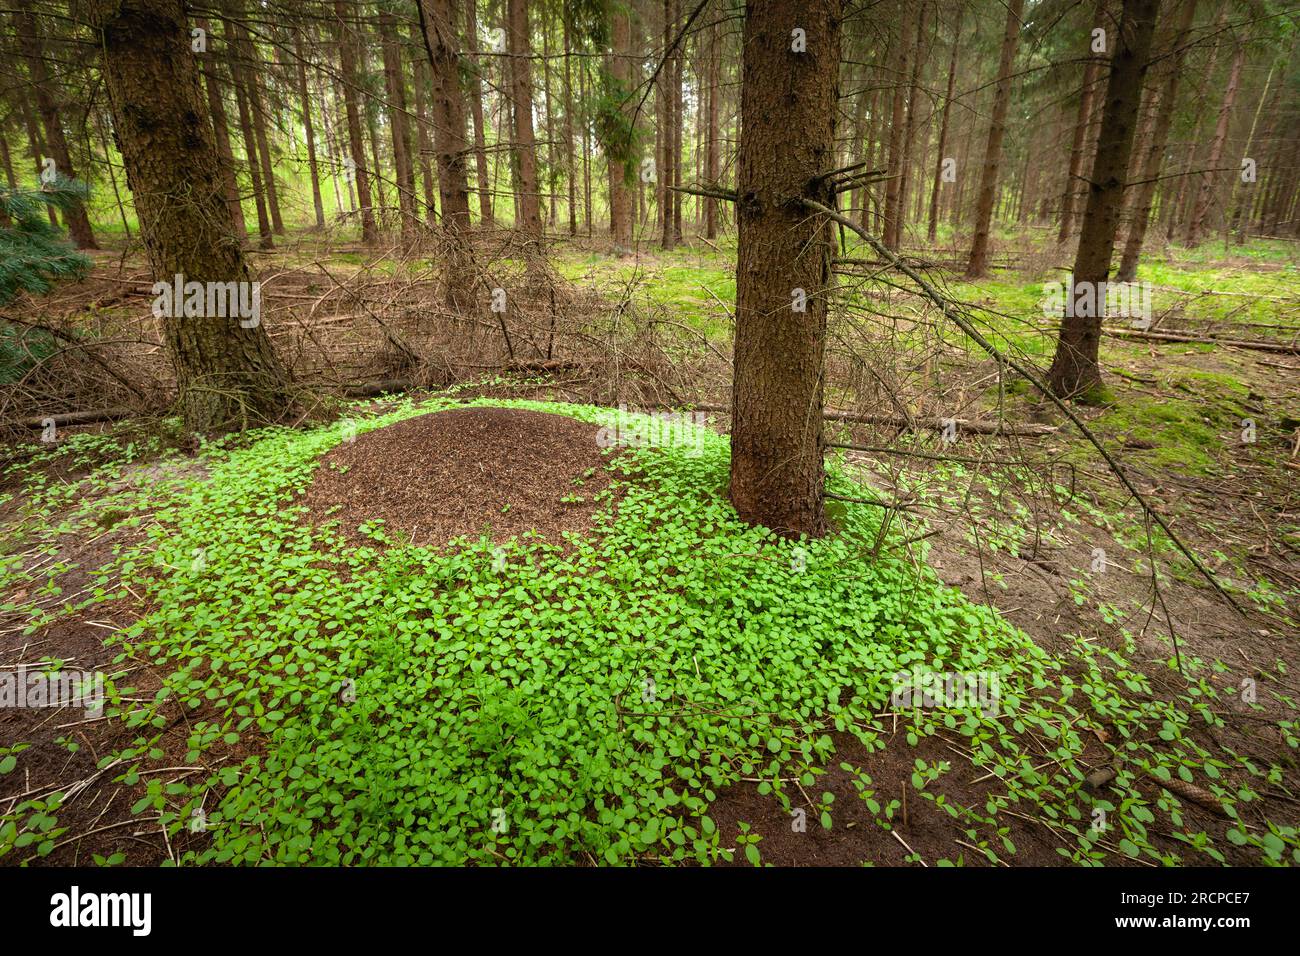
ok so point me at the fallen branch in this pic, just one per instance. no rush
(946, 307)
(1204, 340)
(77, 418)
(970, 425)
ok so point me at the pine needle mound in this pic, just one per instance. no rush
(462, 472)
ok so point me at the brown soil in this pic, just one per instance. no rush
(463, 472)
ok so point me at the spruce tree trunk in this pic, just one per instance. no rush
(712, 161)
(570, 169)
(248, 66)
(979, 252)
(933, 231)
(221, 133)
(677, 129)
(620, 196)
(1075, 371)
(1090, 74)
(1155, 155)
(520, 47)
(46, 103)
(305, 105)
(897, 124)
(476, 110)
(664, 136)
(348, 68)
(787, 139)
(394, 87)
(438, 24)
(424, 142)
(226, 374)
(1205, 195)
(265, 240)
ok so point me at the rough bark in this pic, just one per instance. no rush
(226, 374)
(787, 139)
(1075, 371)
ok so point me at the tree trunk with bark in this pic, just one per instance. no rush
(979, 252)
(1075, 371)
(304, 104)
(783, 273)
(33, 48)
(1155, 155)
(358, 172)
(1206, 194)
(476, 111)
(520, 47)
(226, 373)
(932, 232)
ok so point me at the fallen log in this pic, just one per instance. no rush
(1204, 340)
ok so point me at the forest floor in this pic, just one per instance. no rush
(645, 680)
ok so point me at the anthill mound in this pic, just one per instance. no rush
(467, 471)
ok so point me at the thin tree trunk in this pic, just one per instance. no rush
(933, 231)
(221, 134)
(1205, 197)
(897, 126)
(360, 175)
(570, 169)
(476, 111)
(910, 127)
(253, 90)
(1150, 173)
(396, 94)
(46, 103)
(712, 161)
(424, 143)
(1091, 73)
(664, 136)
(677, 124)
(1075, 371)
(521, 92)
(620, 197)
(265, 241)
(979, 253)
(305, 105)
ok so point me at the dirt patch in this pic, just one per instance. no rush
(463, 472)
(856, 836)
